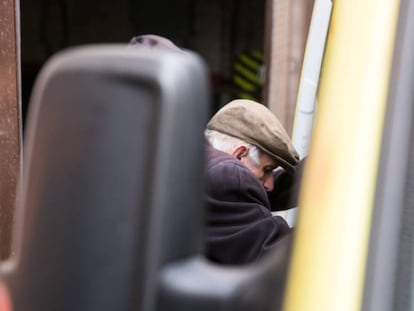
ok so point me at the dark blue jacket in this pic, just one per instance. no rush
(240, 225)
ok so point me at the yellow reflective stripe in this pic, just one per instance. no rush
(245, 85)
(250, 62)
(258, 54)
(336, 201)
(246, 96)
(247, 74)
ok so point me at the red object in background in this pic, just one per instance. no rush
(5, 300)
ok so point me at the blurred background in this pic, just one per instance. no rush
(233, 37)
(253, 49)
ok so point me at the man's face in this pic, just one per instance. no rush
(263, 171)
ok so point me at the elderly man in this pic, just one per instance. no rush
(246, 143)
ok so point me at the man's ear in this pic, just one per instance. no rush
(240, 152)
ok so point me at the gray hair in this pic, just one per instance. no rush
(227, 144)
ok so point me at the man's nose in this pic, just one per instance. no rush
(268, 182)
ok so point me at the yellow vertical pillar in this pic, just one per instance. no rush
(336, 202)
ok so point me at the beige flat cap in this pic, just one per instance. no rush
(257, 125)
